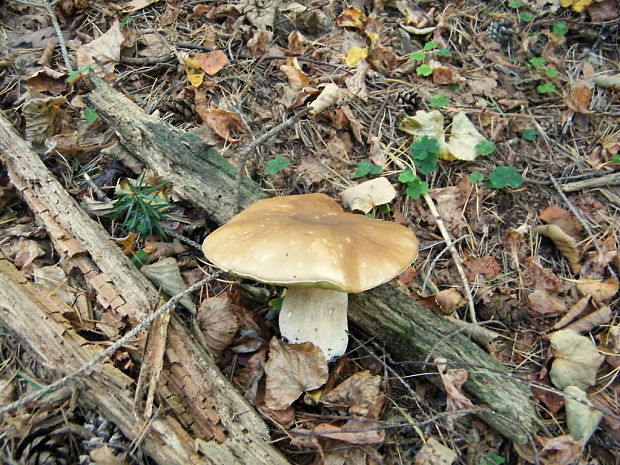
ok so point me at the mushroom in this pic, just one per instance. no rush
(308, 243)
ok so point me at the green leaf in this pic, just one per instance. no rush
(546, 88)
(73, 75)
(90, 115)
(424, 70)
(538, 62)
(485, 147)
(428, 46)
(407, 176)
(365, 168)
(551, 72)
(444, 52)
(495, 459)
(514, 4)
(530, 134)
(439, 101)
(276, 303)
(275, 165)
(416, 189)
(560, 28)
(475, 177)
(526, 17)
(385, 208)
(417, 56)
(126, 20)
(615, 158)
(427, 165)
(423, 147)
(503, 176)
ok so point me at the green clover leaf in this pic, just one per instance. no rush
(503, 176)
(276, 165)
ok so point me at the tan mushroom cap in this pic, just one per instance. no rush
(309, 240)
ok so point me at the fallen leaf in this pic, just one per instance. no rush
(544, 304)
(291, 370)
(104, 52)
(166, 275)
(575, 311)
(330, 94)
(562, 450)
(356, 82)
(42, 117)
(452, 380)
(27, 251)
(600, 290)
(351, 17)
(579, 96)
(171, 14)
(353, 432)
(217, 321)
(211, 62)
(358, 392)
(135, 5)
(562, 218)
(486, 266)
(600, 317)
(603, 10)
(611, 81)
(464, 138)
(104, 455)
(296, 77)
(449, 202)
(449, 300)
(48, 80)
(445, 74)
(193, 71)
(541, 278)
(564, 243)
(368, 194)
(223, 122)
(581, 420)
(355, 55)
(576, 360)
(435, 453)
(426, 123)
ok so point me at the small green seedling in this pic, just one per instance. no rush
(428, 46)
(142, 211)
(126, 20)
(514, 4)
(444, 52)
(476, 177)
(551, 72)
(530, 134)
(424, 154)
(439, 101)
(503, 176)
(424, 70)
(275, 165)
(546, 88)
(494, 459)
(526, 17)
(560, 28)
(417, 56)
(276, 303)
(140, 258)
(90, 116)
(73, 75)
(365, 168)
(615, 158)
(538, 62)
(484, 148)
(416, 188)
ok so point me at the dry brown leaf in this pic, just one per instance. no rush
(330, 94)
(598, 318)
(486, 266)
(435, 453)
(353, 432)
(562, 218)
(359, 393)
(135, 5)
(541, 278)
(104, 455)
(449, 300)
(104, 52)
(600, 290)
(48, 80)
(544, 304)
(43, 116)
(579, 96)
(445, 74)
(197, 11)
(217, 321)
(295, 75)
(351, 17)
(562, 450)
(449, 202)
(564, 243)
(27, 251)
(356, 82)
(368, 194)
(452, 380)
(291, 370)
(575, 311)
(605, 10)
(212, 62)
(223, 122)
(171, 14)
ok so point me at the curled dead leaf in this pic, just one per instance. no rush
(223, 122)
(545, 304)
(449, 300)
(601, 290)
(353, 432)
(564, 243)
(435, 453)
(211, 62)
(330, 94)
(358, 392)
(365, 196)
(217, 321)
(576, 360)
(452, 380)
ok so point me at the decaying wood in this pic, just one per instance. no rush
(602, 181)
(195, 169)
(408, 329)
(203, 400)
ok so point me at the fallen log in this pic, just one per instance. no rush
(193, 387)
(408, 329)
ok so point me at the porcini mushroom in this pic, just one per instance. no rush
(308, 243)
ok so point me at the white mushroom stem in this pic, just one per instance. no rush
(318, 316)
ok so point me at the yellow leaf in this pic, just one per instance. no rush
(578, 5)
(372, 37)
(351, 17)
(194, 72)
(355, 55)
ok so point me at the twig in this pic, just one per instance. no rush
(455, 256)
(110, 350)
(582, 220)
(49, 9)
(245, 153)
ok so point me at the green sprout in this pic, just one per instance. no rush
(444, 52)
(417, 56)
(615, 158)
(439, 101)
(73, 75)
(503, 176)
(365, 168)
(90, 116)
(538, 62)
(526, 17)
(484, 148)
(428, 46)
(141, 209)
(475, 177)
(514, 4)
(530, 134)
(416, 188)
(275, 165)
(545, 88)
(551, 72)
(424, 70)
(424, 154)
(560, 28)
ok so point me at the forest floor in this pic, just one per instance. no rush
(502, 116)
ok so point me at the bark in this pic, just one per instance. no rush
(409, 330)
(203, 400)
